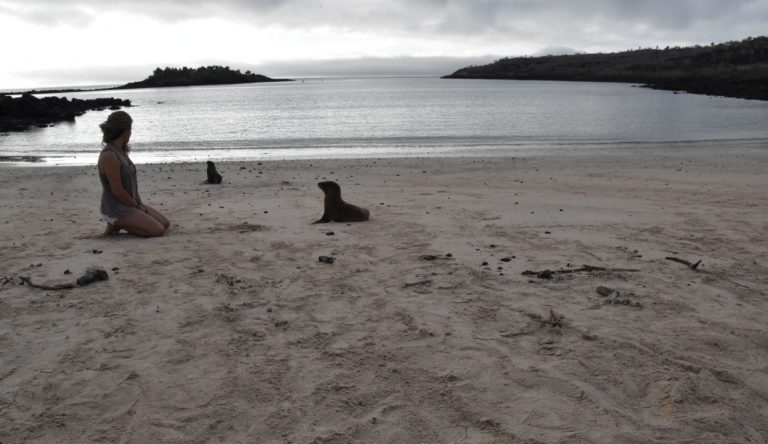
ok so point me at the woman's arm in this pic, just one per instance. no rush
(109, 164)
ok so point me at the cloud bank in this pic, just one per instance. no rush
(296, 35)
(566, 20)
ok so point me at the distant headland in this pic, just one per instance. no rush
(28, 111)
(174, 77)
(205, 75)
(731, 69)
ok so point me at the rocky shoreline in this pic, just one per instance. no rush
(751, 90)
(28, 111)
(731, 69)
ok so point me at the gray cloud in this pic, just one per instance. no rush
(446, 27)
(49, 14)
(544, 26)
(607, 23)
(87, 75)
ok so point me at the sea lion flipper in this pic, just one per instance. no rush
(322, 220)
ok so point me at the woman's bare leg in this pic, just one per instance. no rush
(140, 224)
(159, 217)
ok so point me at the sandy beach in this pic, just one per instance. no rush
(229, 329)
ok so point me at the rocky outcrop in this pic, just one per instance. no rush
(731, 69)
(21, 113)
(204, 75)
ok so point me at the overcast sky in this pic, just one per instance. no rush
(84, 42)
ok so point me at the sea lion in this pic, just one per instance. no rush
(337, 210)
(213, 175)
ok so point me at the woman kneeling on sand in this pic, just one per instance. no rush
(121, 205)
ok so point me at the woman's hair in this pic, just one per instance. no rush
(115, 125)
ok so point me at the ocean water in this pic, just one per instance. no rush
(385, 117)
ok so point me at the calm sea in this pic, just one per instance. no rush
(383, 117)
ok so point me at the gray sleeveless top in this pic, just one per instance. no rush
(110, 206)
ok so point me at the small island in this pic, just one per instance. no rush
(731, 69)
(171, 77)
(205, 75)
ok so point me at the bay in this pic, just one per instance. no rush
(385, 117)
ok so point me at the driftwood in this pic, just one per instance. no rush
(436, 257)
(28, 282)
(549, 274)
(427, 283)
(538, 322)
(690, 265)
(90, 276)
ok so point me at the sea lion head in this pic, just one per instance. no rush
(329, 187)
(210, 163)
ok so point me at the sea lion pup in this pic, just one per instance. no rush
(213, 175)
(337, 210)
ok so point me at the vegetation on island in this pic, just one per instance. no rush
(166, 77)
(205, 75)
(27, 111)
(731, 69)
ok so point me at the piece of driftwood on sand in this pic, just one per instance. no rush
(691, 265)
(549, 274)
